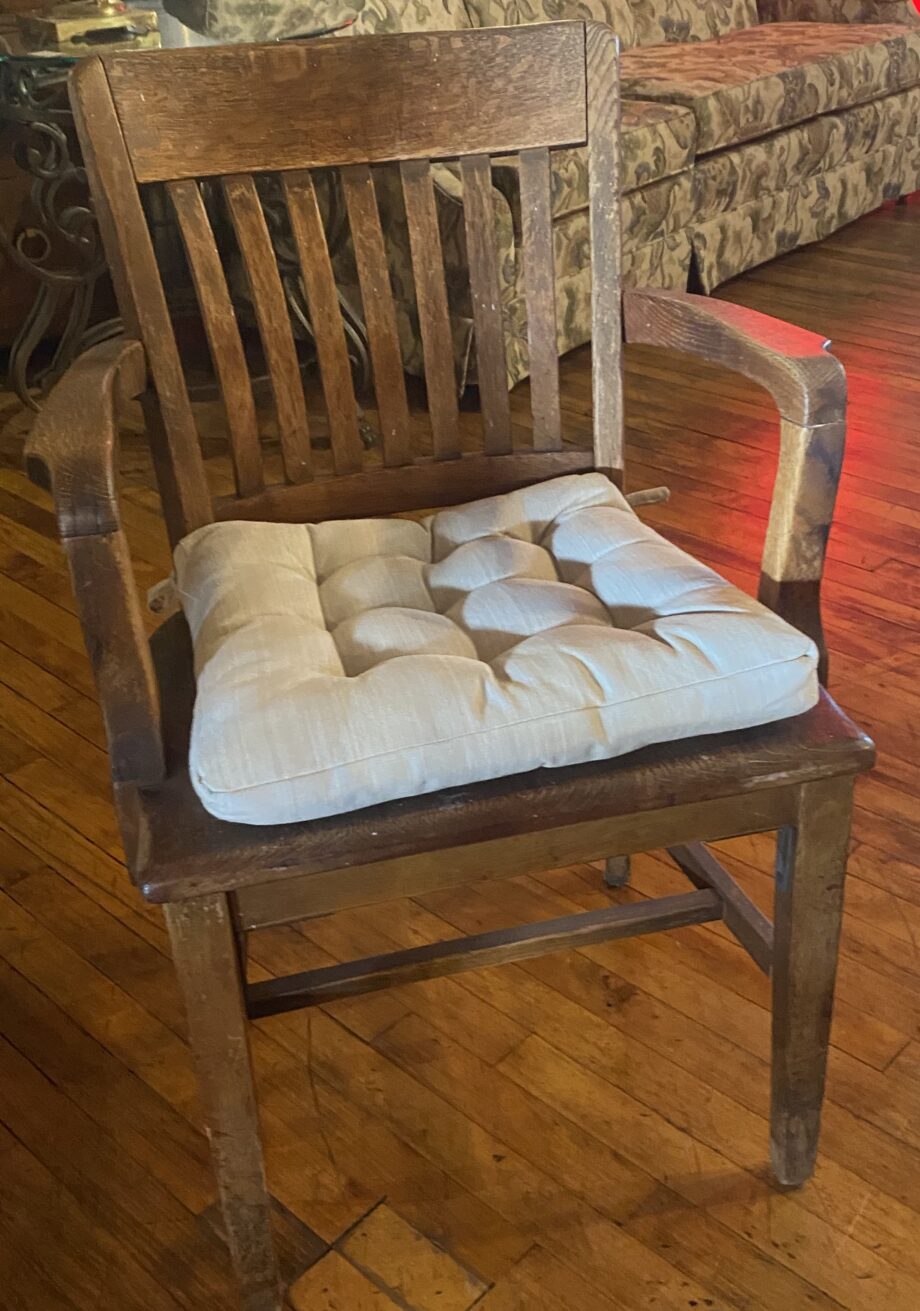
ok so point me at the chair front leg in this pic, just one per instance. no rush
(208, 963)
(810, 868)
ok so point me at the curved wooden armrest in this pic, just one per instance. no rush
(809, 387)
(807, 383)
(72, 448)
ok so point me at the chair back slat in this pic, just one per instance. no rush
(379, 312)
(341, 199)
(325, 320)
(485, 293)
(540, 294)
(274, 322)
(431, 297)
(604, 201)
(223, 334)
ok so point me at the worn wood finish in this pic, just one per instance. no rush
(808, 386)
(141, 299)
(749, 924)
(264, 280)
(73, 451)
(528, 90)
(540, 293)
(379, 312)
(223, 334)
(616, 871)
(617, 1093)
(431, 295)
(604, 210)
(325, 319)
(435, 960)
(807, 383)
(795, 775)
(425, 484)
(204, 950)
(482, 255)
(811, 863)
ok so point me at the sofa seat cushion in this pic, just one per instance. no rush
(728, 178)
(348, 663)
(755, 81)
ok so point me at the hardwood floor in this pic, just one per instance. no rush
(584, 1132)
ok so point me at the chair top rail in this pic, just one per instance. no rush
(202, 112)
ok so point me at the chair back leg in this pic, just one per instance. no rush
(616, 871)
(208, 964)
(810, 868)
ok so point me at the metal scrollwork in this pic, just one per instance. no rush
(58, 244)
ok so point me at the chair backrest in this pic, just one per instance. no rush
(178, 121)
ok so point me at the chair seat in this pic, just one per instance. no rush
(177, 850)
(348, 663)
(752, 82)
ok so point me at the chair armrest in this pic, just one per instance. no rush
(808, 386)
(73, 451)
(72, 448)
(838, 11)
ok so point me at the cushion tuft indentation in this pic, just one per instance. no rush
(348, 663)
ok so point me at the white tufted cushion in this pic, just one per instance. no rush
(347, 663)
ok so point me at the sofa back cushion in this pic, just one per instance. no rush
(659, 21)
(636, 22)
(400, 15)
(508, 13)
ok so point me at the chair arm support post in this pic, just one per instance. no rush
(808, 386)
(72, 451)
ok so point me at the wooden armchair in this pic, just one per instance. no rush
(174, 117)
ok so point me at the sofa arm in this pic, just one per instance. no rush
(72, 450)
(838, 11)
(808, 386)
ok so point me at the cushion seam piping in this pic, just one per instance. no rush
(424, 746)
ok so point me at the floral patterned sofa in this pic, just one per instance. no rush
(750, 127)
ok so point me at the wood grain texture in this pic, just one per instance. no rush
(807, 383)
(220, 324)
(220, 882)
(616, 1095)
(379, 312)
(313, 987)
(604, 183)
(810, 871)
(264, 280)
(808, 386)
(141, 299)
(540, 293)
(431, 297)
(325, 319)
(424, 484)
(204, 951)
(485, 293)
(748, 923)
(528, 90)
(72, 448)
